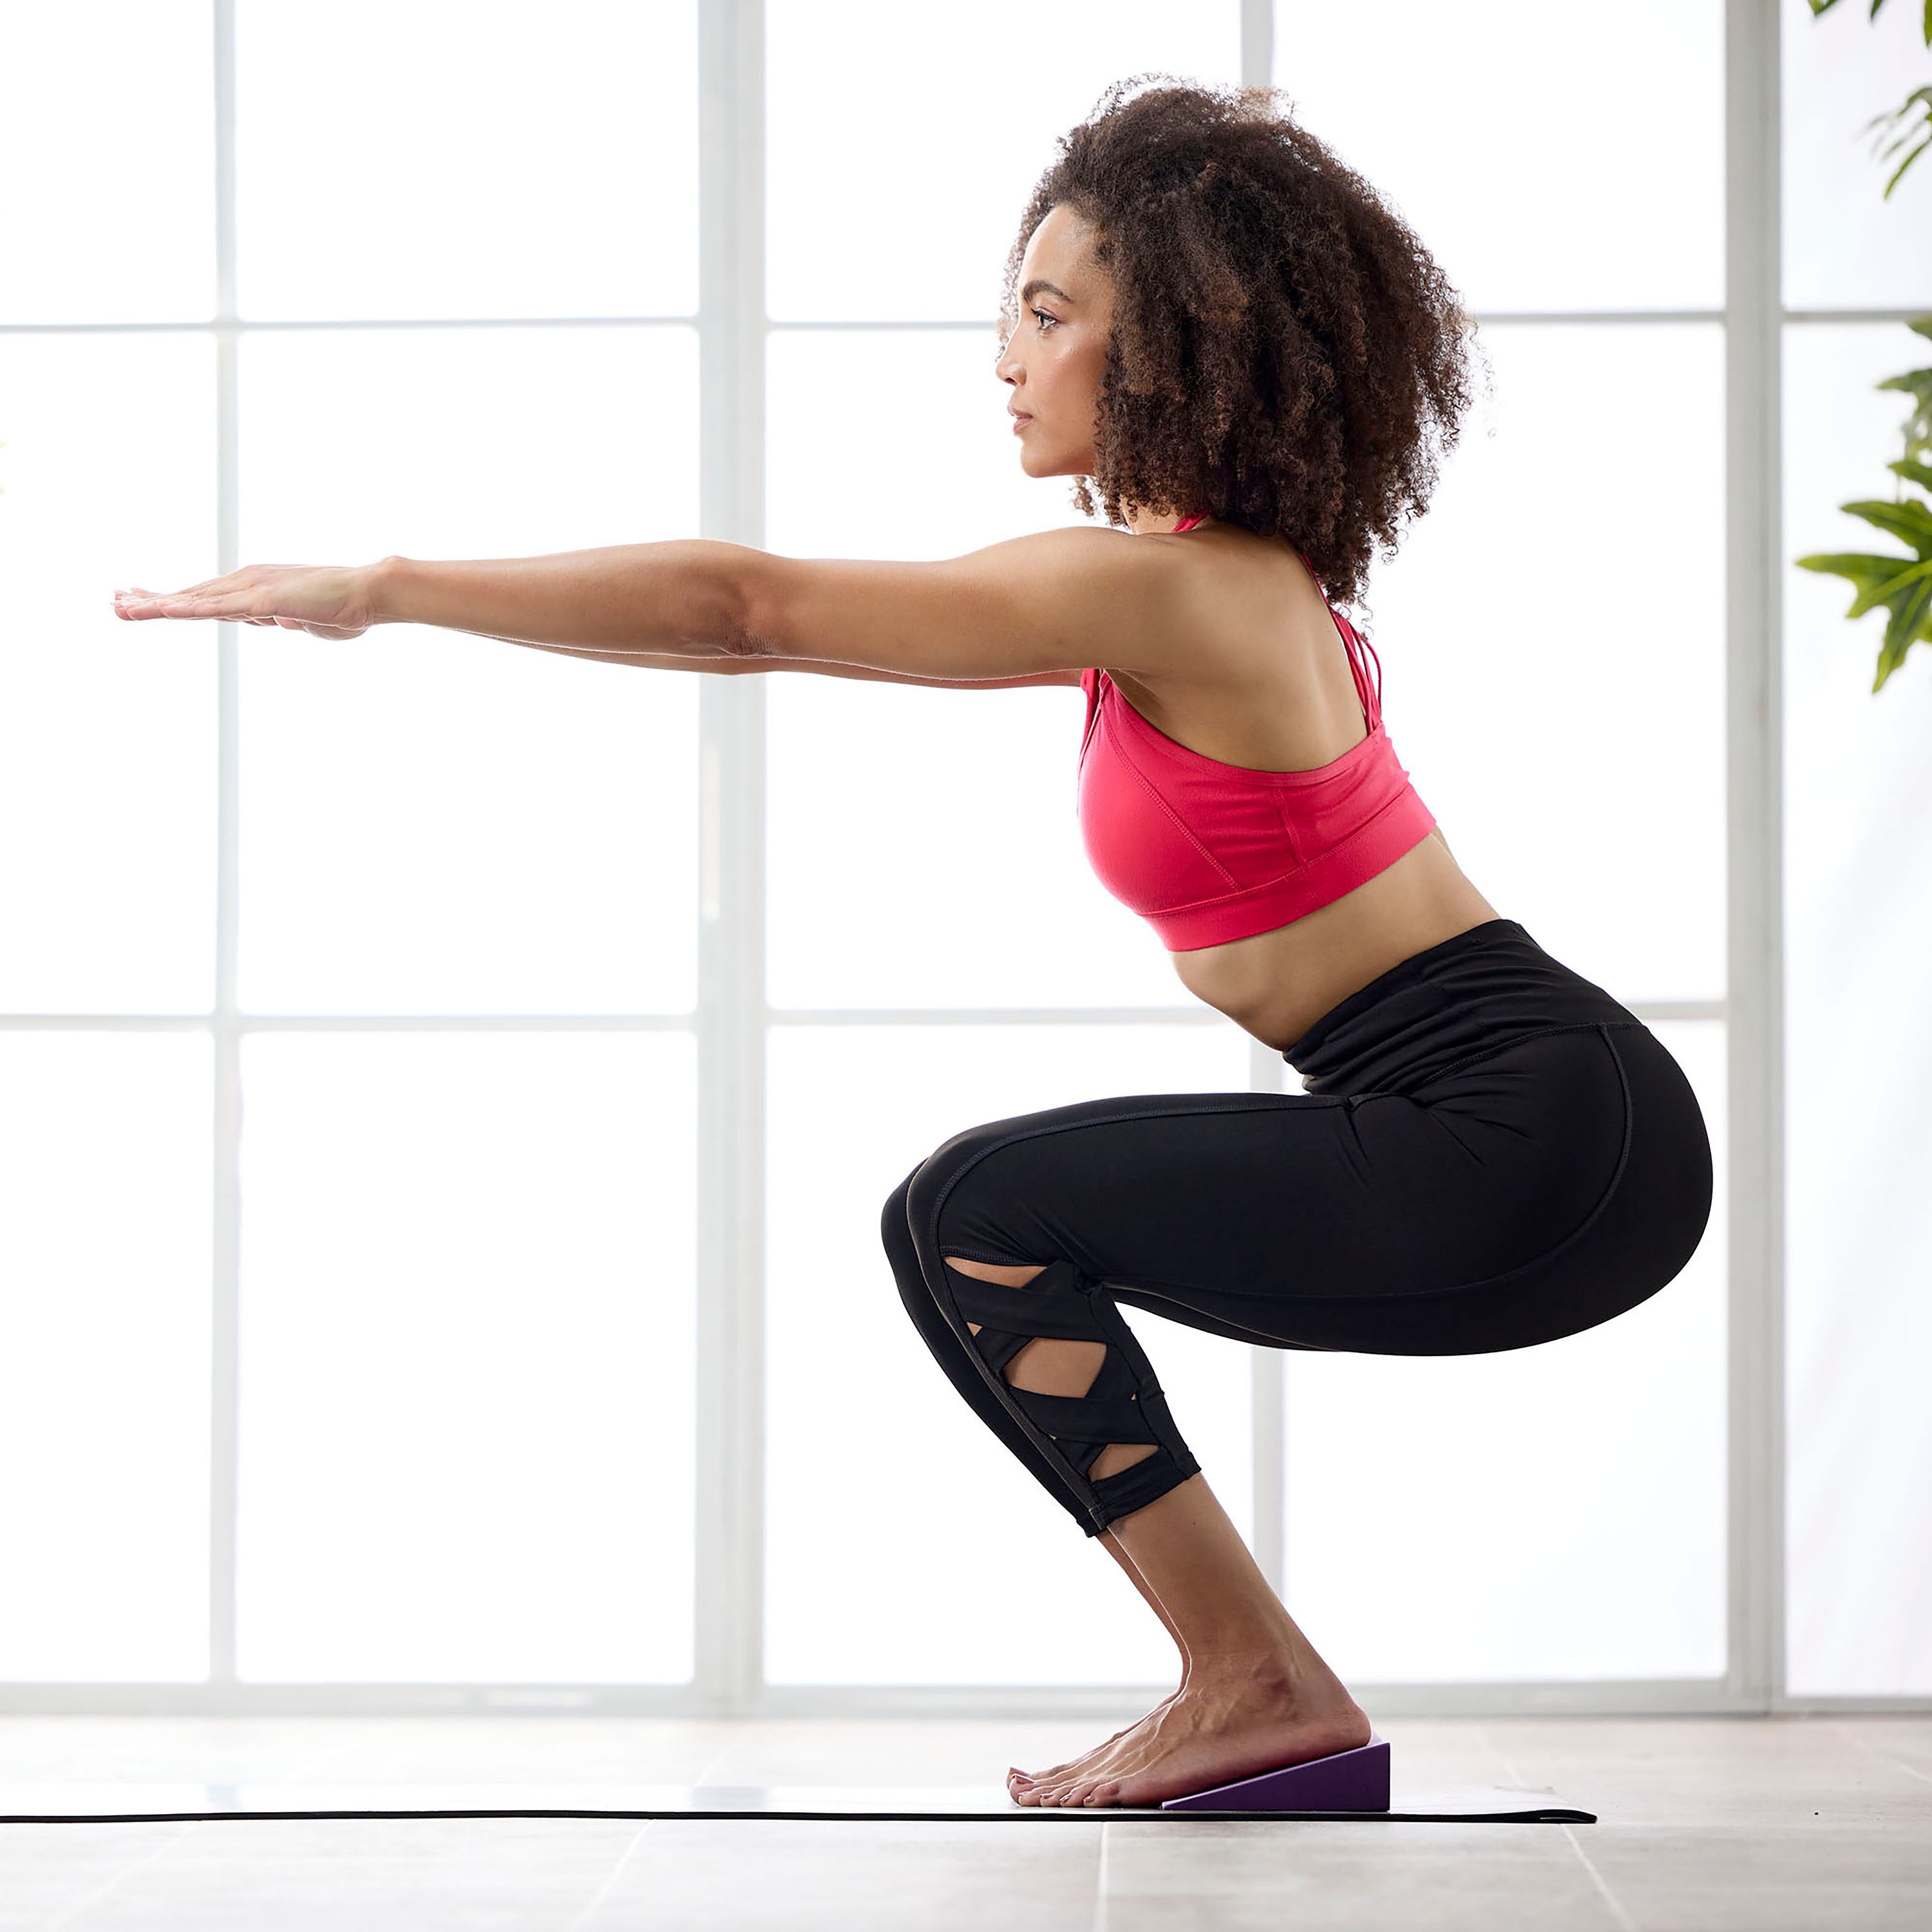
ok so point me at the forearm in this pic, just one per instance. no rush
(818, 667)
(684, 601)
(649, 660)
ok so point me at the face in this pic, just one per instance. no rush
(1055, 356)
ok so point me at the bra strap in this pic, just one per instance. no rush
(1372, 708)
(1371, 697)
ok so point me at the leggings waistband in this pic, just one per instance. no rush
(1481, 988)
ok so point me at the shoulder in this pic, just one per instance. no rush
(1242, 607)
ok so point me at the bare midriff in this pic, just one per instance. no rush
(1276, 984)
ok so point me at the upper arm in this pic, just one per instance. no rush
(827, 668)
(1054, 602)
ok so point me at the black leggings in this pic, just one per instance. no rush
(1490, 1152)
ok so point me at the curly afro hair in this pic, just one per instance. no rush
(1285, 354)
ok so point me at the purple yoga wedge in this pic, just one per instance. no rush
(1349, 1781)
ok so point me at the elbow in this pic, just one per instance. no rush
(748, 627)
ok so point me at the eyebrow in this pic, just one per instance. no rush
(1033, 288)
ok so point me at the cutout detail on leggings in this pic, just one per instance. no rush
(1006, 1320)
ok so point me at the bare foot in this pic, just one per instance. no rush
(1122, 1748)
(1211, 1731)
(1018, 1781)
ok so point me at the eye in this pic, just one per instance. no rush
(1045, 318)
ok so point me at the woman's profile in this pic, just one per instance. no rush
(1225, 336)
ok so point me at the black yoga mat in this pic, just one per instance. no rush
(103, 1804)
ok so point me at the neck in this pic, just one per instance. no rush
(1149, 522)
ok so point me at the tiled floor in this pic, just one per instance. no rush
(1762, 1825)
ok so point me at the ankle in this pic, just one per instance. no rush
(1284, 1673)
(1278, 1671)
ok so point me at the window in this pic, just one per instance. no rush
(447, 1090)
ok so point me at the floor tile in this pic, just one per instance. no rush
(49, 1872)
(1819, 1878)
(1026, 1877)
(401, 1875)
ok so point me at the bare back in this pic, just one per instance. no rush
(1270, 688)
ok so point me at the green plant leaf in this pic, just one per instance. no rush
(1902, 584)
(1910, 622)
(1916, 383)
(1868, 574)
(1909, 521)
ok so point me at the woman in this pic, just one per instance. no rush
(1204, 312)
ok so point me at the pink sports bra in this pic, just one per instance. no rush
(1207, 853)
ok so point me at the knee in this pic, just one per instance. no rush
(955, 1197)
(924, 1192)
(911, 1205)
(894, 1228)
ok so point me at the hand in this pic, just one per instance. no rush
(325, 600)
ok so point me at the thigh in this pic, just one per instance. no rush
(1241, 1205)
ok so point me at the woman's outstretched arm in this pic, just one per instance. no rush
(1039, 607)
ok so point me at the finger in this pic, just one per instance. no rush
(209, 586)
(234, 604)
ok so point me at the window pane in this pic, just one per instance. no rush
(822, 492)
(924, 852)
(1509, 149)
(107, 727)
(1858, 932)
(436, 821)
(940, 174)
(107, 147)
(466, 1358)
(1553, 633)
(1574, 1493)
(1846, 245)
(876, 1471)
(105, 1179)
(959, 803)
(405, 157)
